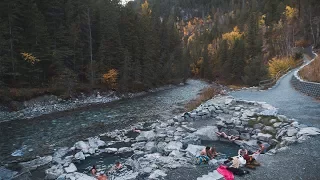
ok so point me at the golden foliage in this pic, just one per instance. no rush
(145, 8)
(291, 12)
(232, 36)
(280, 64)
(204, 95)
(195, 67)
(110, 78)
(29, 58)
(311, 72)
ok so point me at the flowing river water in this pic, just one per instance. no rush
(42, 135)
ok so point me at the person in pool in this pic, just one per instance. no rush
(263, 147)
(102, 176)
(93, 170)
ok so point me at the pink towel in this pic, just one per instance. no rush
(225, 173)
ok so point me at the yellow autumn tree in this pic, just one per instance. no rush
(145, 8)
(291, 12)
(195, 67)
(29, 58)
(110, 78)
(232, 36)
(277, 65)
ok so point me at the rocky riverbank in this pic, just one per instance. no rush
(51, 104)
(164, 146)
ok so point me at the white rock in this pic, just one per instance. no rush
(125, 150)
(79, 176)
(71, 168)
(292, 131)
(156, 174)
(288, 140)
(194, 150)
(264, 137)
(150, 146)
(207, 133)
(129, 176)
(213, 162)
(34, 164)
(54, 172)
(82, 146)
(309, 131)
(111, 150)
(80, 156)
(173, 145)
(176, 153)
(303, 138)
(146, 136)
(277, 124)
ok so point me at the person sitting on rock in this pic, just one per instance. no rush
(230, 138)
(204, 156)
(263, 147)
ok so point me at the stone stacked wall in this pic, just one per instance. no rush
(306, 87)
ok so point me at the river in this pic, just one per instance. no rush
(42, 135)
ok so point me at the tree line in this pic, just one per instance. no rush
(70, 44)
(64, 43)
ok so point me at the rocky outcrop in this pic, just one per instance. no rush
(174, 143)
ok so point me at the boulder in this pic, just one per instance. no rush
(264, 137)
(291, 131)
(249, 145)
(82, 146)
(160, 146)
(34, 164)
(138, 145)
(71, 168)
(245, 136)
(233, 132)
(157, 174)
(173, 145)
(95, 142)
(309, 131)
(128, 176)
(277, 124)
(220, 124)
(60, 152)
(194, 150)
(269, 129)
(188, 129)
(273, 121)
(288, 140)
(111, 150)
(124, 150)
(80, 156)
(207, 133)
(258, 126)
(176, 153)
(282, 118)
(54, 172)
(146, 136)
(6, 173)
(190, 139)
(78, 176)
(150, 147)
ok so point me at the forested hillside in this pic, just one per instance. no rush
(76, 45)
